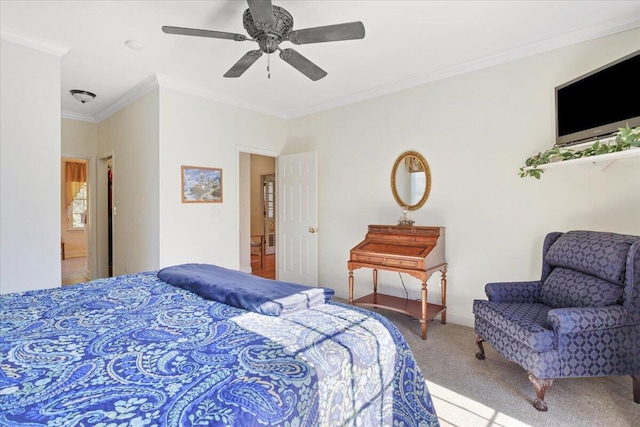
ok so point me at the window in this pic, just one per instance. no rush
(76, 193)
(78, 209)
(269, 198)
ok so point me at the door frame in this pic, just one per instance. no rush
(92, 243)
(102, 254)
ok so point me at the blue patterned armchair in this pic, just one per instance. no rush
(581, 319)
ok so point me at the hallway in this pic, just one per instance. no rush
(74, 270)
(269, 269)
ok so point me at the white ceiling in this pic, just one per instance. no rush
(407, 43)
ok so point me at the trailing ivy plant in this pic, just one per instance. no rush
(625, 138)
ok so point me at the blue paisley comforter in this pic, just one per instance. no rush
(136, 351)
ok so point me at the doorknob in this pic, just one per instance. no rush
(312, 230)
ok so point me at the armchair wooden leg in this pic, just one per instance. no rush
(480, 354)
(636, 387)
(541, 387)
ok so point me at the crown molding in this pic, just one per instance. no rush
(575, 37)
(143, 88)
(157, 80)
(51, 48)
(75, 116)
(180, 85)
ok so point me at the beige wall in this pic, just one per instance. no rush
(148, 153)
(260, 165)
(29, 169)
(475, 131)
(196, 131)
(132, 136)
(244, 207)
(79, 140)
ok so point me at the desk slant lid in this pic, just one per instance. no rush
(395, 246)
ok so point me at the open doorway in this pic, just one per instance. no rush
(104, 217)
(256, 243)
(263, 220)
(110, 213)
(295, 198)
(74, 224)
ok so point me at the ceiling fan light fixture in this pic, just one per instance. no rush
(269, 44)
(82, 95)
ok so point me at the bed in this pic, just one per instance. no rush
(135, 351)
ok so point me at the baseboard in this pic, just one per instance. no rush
(460, 319)
(74, 254)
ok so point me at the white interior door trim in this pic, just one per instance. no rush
(102, 266)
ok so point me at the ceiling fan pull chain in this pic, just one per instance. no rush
(268, 65)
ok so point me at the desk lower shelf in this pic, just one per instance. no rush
(402, 305)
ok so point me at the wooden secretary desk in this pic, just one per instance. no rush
(417, 251)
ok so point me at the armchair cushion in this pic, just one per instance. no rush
(526, 323)
(571, 288)
(595, 253)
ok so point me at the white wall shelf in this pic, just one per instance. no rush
(600, 162)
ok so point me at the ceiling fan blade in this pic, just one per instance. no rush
(302, 64)
(328, 33)
(243, 64)
(203, 33)
(261, 11)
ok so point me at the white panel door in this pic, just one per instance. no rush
(297, 213)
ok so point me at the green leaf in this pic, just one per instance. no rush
(625, 138)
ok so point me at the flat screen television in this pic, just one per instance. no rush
(595, 105)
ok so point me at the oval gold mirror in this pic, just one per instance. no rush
(411, 180)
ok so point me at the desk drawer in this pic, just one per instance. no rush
(369, 259)
(393, 262)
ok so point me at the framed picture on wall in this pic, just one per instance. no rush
(201, 185)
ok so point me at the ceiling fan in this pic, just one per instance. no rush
(269, 26)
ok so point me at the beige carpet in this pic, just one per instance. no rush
(497, 392)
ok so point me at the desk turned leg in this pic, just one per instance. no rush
(351, 287)
(375, 280)
(443, 285)
(423, 319)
